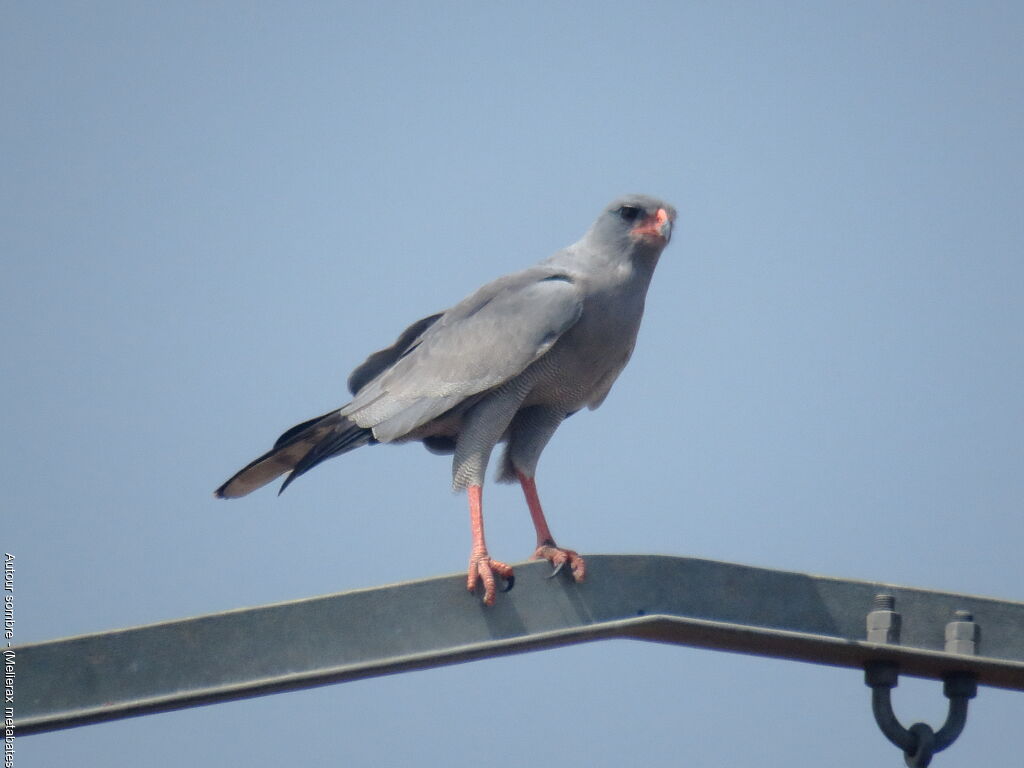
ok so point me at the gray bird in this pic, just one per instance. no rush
(506, 364)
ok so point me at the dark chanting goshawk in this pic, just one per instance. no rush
(507, 364)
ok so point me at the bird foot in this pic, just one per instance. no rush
(558, 557)
(483, 568)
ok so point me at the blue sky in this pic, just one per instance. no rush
(209, 213)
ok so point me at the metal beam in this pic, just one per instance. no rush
(352, 635)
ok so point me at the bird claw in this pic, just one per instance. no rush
(482, 568)
(558, 557)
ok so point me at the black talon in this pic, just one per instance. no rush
(509, 583)
(555, 572)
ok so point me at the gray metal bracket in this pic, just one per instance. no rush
(920, 742)
(352, 635)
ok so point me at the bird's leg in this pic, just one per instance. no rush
(546, 547)
(481, 566)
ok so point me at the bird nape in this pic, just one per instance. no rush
(507, 365)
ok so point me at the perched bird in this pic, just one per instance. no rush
(506, 364)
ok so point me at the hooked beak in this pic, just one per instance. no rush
(656, 228)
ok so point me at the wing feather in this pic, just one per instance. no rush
(380, 361)
(477, 345)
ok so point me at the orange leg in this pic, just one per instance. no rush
(481, 566)
(546, 547)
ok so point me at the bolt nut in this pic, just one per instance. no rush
(883, 623)
(962, 635)
(883, 627)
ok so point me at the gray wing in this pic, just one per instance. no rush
(480, 343)
(380, 361)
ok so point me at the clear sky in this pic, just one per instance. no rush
(210, 212)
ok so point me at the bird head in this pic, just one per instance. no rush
(634, 221)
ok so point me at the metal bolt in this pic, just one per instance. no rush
(962, 634)
(883, 602)
(883, 622)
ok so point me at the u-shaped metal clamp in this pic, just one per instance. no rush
(919, 742)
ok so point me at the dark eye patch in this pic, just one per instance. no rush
(629, 212)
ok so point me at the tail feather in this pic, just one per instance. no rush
(289, 434)
(298, 450)
(335, 443)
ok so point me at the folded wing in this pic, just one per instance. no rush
(477, 345)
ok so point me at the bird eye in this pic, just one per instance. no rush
(629, 212)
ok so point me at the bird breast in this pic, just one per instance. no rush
(582, 365)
